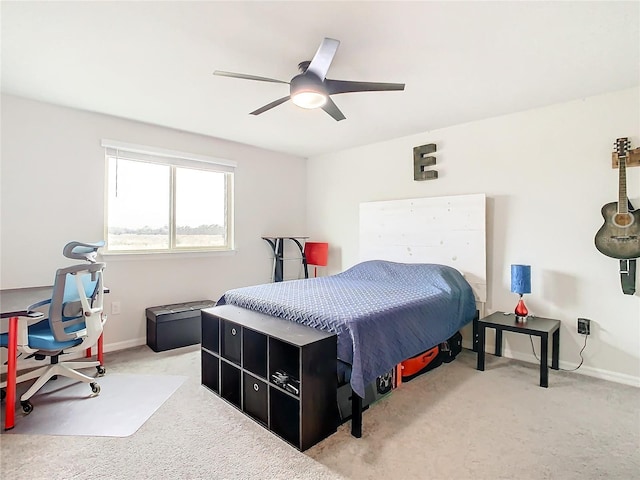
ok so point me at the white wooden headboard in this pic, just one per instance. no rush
(446, 230)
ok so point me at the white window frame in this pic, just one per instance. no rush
(173, 159)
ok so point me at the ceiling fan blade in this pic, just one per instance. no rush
(247, 77)
(269, 106)
(321, 61)
(333, 110)
(345, 86)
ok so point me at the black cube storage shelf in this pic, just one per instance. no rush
(241, 351)
(175, 326)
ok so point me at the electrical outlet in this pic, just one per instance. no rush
(115, 308)
(584, 326)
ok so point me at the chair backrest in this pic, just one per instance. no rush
(77, 302)
(82, 251)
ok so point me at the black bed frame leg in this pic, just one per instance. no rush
(356, 415)
(475, 331)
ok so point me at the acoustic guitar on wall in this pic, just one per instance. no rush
(619, 237)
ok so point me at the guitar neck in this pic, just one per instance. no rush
(622, 189)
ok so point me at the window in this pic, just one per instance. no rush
(166, 201)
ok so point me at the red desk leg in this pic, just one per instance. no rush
(88, 353)
(10, 405)
(100, 349)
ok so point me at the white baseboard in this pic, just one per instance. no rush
(29, 363)
(583, 370)
(114, 347)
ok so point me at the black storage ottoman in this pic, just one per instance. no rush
(174, 326)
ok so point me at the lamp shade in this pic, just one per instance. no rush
(307, 91)
(521, 279)
(316, 253)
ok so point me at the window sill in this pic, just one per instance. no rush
(175, 255)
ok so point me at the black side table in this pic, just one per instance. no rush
(537, 326)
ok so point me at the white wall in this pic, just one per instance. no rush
(546, 174)
(52, 181)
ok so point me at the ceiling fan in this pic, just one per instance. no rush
(311, 89)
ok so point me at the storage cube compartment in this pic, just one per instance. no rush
(256, 399)
(210, 333)
(174, 326)
(284, 358)
(210, 371)
(230, 381)
(255, 352)
(231, 341)
(285, 416)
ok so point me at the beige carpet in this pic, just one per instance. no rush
(452, 423)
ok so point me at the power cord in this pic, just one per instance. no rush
(564, 369)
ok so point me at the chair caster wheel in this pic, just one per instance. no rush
(95, 388)
(27, 408)
(101, 370)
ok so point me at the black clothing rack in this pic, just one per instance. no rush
(277, 245)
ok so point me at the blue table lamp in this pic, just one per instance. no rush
(521, 284)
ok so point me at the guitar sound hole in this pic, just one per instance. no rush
(623, 219)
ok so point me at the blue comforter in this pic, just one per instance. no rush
(383, 312)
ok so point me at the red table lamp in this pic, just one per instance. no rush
(316, 253)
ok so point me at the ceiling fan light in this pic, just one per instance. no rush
(309, 99)
(307, 91)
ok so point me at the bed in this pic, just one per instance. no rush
(382, 312)
(421, 278)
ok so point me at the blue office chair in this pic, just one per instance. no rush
(74, 322)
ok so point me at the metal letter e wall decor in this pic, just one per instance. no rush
(421, 160)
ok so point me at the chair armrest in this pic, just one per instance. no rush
(31, 308)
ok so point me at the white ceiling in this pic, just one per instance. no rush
(461, 61)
